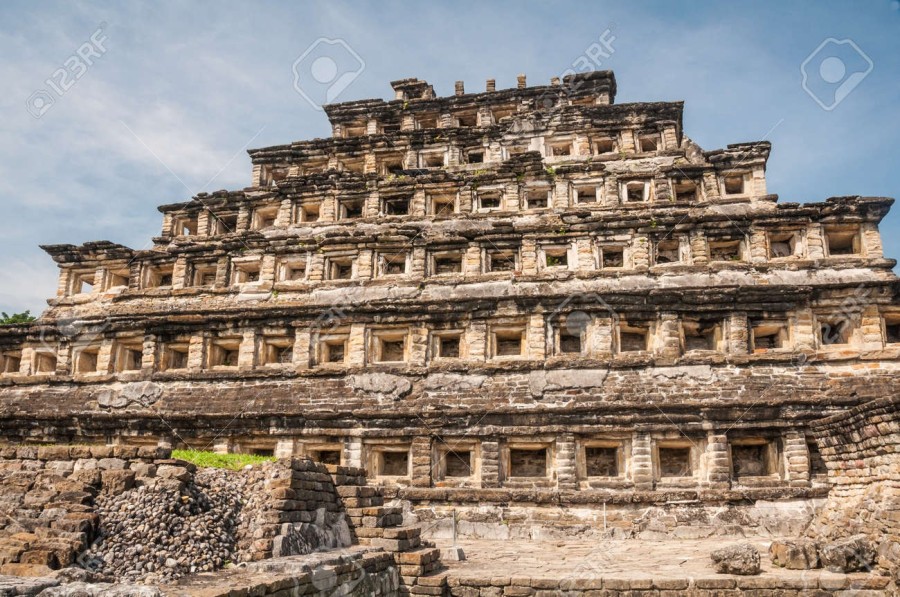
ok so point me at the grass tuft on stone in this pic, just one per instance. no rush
(233, 462)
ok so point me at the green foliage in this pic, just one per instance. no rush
(551, 171)
(233, 462)
(24, 317)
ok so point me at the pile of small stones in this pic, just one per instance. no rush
(158, 534)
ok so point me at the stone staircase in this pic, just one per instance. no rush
(377, 525)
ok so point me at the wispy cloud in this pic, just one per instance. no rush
(195, 81)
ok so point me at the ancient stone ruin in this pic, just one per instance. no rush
(516, 315)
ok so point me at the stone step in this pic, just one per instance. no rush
(374, 511)
(363, 502)
(402, 532)
(396, 545)
(357, 491)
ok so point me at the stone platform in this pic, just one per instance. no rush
(681, 567)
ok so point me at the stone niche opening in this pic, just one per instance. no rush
(356, 166)
(326, 453)
(157, 276)
(389, 346)
(117, 278)
(634, 337)
(224, 223)
(202, 273)
(730, 251)
(127, 354)
(354, 128)
(667, 251)
(10, 361)
(842, 240)
(223, 352)
(527, 461)
(441, 205)
(768, 334)
(559, 149)
(455, 462)
(475, 156)
(246, 271)
(447, 344)
(392, 263)
(173, 354)
(834, 330)
(292, 269)
(396, 205)
(735, 183)
(603, 145)
(635, 191)
(500, 113)
(446, 262)
(467, 118)
(256, 447)
(43, 362)
(308, 211)
(332, 348)
(784, 244)
(702, 334)
(327, 456)
(817, 467)
(587, 194)
(339, 267)
(754, 458)
(508, 341)
(685, 189)
(612, 257)
(674, 461)
(391, 165)
(264, 217)
(555, 256)
(569, 339)
(602, 460)
(81, 282)
(431, 159)
(892, 328)
(501, 260)
(389, 460)
(537, 198)
(489, 200)
(86, 359)
(427, 121)
(351, 208)
(313, 166)
(184, 226)
(276, 350)
(648, 142)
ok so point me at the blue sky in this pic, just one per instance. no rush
(180, 90)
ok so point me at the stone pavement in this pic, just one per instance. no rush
(631, 559)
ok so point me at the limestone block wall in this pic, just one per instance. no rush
(861, 449)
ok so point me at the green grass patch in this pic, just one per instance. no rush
(233, 462)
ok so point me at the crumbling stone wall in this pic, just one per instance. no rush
(133, 514)
(861, 449)
(47, 499)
